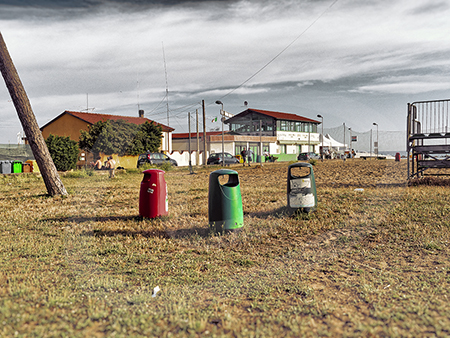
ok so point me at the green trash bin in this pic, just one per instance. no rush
(225, 202)
(301, 187)
(16, 167)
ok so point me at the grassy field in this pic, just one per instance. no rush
(366, 263)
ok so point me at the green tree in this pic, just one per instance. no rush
(63, 151)
(120, 137)
(148, 138)
(88, 138)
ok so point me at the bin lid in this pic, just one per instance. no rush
(300, 164)
(153, 171)
(224, 172)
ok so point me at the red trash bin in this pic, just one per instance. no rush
(397, 157)
(153, 199)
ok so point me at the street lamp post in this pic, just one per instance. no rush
(222, 118)
(321, 153)
(376, 124)
(344, 139)
(351, 144)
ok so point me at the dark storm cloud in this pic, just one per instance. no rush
(350, 61)
(51, 4)
(432, 7)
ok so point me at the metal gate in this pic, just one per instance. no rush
(427, 133)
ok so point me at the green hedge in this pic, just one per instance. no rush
(63, 151)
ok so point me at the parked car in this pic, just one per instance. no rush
(308, 156)
(217, 158)
(156, 159)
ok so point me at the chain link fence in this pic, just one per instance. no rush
(390, 142)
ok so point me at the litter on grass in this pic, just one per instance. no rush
(155, 291)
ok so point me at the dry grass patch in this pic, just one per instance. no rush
(370, 262)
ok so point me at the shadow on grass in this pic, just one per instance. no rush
(285, 212)
(279, 213)
(92, 219)
(183, 233)
(361, 185)
(154, 233)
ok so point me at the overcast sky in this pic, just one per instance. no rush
(354, 62)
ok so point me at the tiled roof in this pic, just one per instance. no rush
(277, 115)
(194, 135)
(93, 118)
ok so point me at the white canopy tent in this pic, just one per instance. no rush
(331, 143)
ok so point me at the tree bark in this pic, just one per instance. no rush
(19, 97)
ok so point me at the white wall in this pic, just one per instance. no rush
(216, 147)
(183, 158)
(166, 141)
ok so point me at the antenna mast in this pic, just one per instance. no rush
(138, 94)
(167, 85)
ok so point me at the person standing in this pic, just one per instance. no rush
(250, 156)
(111, 165)
(244, 156)
(266, 155)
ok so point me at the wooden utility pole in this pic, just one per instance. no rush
(29, 124)
(197, 158)
(204, 132)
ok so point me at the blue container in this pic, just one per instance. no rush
(5, 167)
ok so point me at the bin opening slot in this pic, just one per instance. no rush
(300, 172)
(229, 180)
(146, 177)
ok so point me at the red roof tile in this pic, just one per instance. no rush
(194, 135)
(93, 118)
(278, 115)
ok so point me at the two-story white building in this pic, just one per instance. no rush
(282, 135)
(291, 134)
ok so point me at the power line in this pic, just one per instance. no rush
(282, 51)
(158, 104)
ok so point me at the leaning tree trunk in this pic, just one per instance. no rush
(29, 123)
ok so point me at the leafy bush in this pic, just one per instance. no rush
(166, 166)
(120, 137)
(146, 166)
(63, 151)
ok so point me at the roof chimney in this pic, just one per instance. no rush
(141, 113)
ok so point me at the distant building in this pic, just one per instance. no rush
(283, 135)
(70, 123)
(293, 134)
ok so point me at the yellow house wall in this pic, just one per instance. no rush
(127, 162)
(70, 126)
(66, 125)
